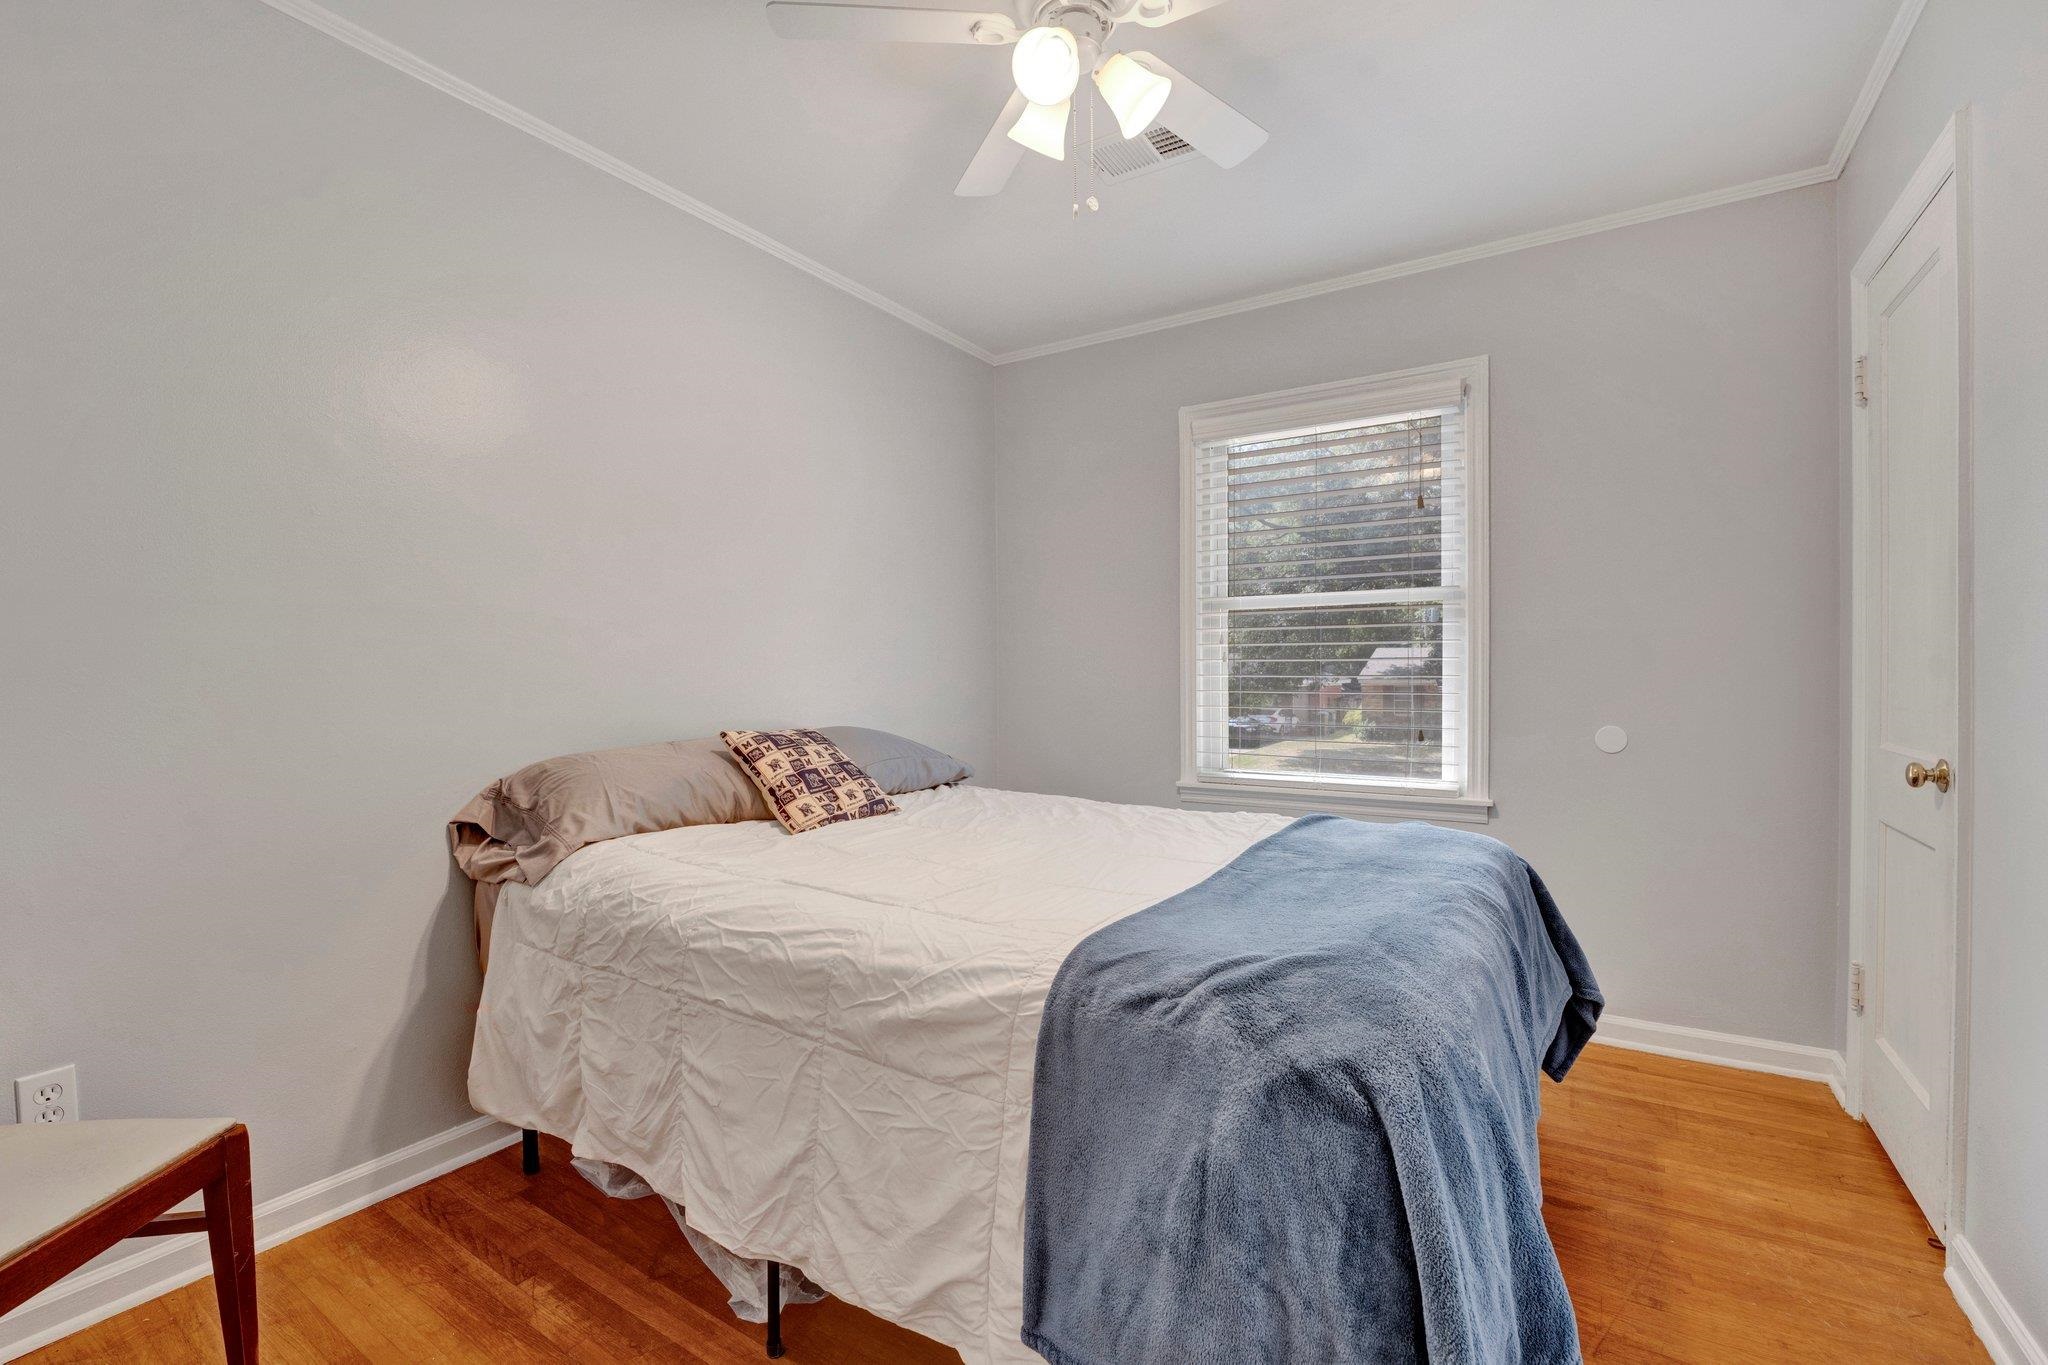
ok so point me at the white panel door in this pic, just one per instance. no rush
(1912, 582)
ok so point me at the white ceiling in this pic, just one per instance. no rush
(1400, 129)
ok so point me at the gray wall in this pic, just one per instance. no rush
(1993, 56)
(359, 448)
(1664, 559)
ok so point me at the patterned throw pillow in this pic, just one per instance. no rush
(807, 779)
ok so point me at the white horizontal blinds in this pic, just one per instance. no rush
(1331, 609)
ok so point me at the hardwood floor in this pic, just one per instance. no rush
(1701, 1215)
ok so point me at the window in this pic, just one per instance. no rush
(1335, 577)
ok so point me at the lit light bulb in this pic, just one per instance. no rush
(1043, 128)
(1134, 94)
(1047, 65)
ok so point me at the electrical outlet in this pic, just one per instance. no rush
(47, 1097)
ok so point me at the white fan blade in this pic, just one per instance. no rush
(993, 164)
(1212, 127)
(1158, 13)
(889, 23)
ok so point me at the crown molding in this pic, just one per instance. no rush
(1874, 80)
(399, 59)
(1670, 208)
(1888, 54)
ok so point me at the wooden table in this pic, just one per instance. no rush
(69, 1191)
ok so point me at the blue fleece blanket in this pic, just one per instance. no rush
(1290, 1114)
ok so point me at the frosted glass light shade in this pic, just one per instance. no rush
(1047, 65)
(1134, 94)
(1043, 128)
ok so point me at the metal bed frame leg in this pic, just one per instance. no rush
(529, 1161)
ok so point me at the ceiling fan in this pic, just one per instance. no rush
(1061, 41)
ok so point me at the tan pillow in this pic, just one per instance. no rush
(808, 780)
(519, 827)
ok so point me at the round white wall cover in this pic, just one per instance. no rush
(1611, 739)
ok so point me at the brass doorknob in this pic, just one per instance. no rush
(1919, 775)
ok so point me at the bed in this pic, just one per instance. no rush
(1122, 1083)
(822, 1046)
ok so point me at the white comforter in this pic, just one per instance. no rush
(822, 1045)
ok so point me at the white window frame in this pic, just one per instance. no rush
(1346, 401)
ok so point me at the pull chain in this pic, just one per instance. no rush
(1073, 135)
(1093, 203)
(1074, 156)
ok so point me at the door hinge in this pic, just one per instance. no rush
(1856, 988)
(1862, 381)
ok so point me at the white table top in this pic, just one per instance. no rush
(50, 1173)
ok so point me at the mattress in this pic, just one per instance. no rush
(821, 1046)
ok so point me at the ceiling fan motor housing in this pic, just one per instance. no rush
(1088, 22)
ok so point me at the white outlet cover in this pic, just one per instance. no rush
(47, 1097)
(1610, 739)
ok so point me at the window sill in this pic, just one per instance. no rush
(1298, 798)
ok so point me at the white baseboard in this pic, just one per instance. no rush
(1997, 1322)
(163, 1264)
(1989, 1311)
(103, 1291)
(1729, 1049)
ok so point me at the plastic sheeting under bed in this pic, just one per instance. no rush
(741, 1277)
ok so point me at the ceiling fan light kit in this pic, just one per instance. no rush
(1063, 40)
(1132, 93)
(1047, 65)
(1043, 128)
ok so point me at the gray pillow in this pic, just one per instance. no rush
(897, 765)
